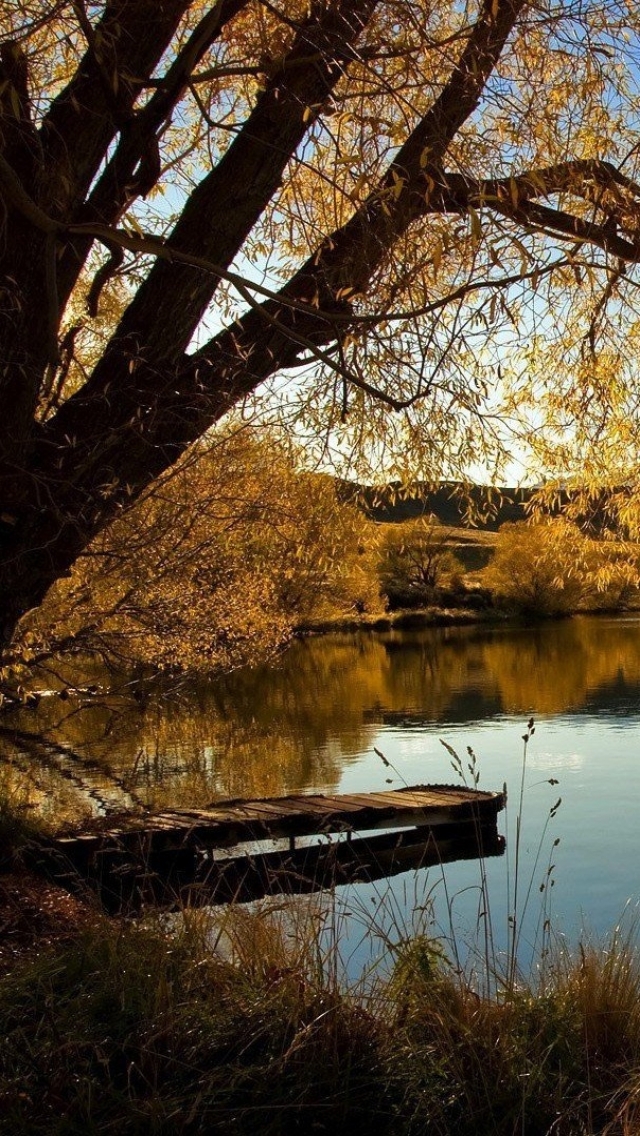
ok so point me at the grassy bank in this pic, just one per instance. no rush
(242, 1027)
(402, 620)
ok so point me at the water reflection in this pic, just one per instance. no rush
(302, 724)
(312, 722)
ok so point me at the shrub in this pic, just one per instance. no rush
(541, 568)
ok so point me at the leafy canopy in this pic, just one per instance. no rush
(553, 568)
(412, 224)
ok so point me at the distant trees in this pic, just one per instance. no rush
(551, 568)
(415, 561)
(237, 547)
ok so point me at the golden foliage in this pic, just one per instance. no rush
(550, 567)
(215, 567)
(415, 561)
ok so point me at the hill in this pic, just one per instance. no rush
(450, 503)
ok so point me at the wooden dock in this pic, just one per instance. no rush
(241, 850)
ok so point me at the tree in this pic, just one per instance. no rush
(415, 559)
(214, 568)
(540, 569)
(550, 568)
(357, 192)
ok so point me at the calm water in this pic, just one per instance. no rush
(312, 722)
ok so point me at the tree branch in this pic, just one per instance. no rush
(187, 396)
(172, 300)
(81, 122)
(596, 182)
(126, 175)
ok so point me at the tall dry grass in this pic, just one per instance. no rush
(241, 1026)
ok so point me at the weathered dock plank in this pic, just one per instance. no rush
(298, 815)
(178, 853)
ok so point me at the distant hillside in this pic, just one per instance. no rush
(390, 504)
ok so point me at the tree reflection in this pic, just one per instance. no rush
(296, 726)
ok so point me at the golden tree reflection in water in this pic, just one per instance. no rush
(298, 725)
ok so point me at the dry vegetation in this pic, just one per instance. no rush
(239, 1024)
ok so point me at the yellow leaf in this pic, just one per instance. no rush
(134, 225)
(476, 226)
(359, 184)
(398, 184)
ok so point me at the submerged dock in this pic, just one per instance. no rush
(241, 850)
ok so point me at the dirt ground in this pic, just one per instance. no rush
(34, 915)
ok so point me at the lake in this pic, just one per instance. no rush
(311, 722)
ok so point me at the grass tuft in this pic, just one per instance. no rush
(141, 1031)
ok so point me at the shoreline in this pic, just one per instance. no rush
(414, 618)
(404, 619)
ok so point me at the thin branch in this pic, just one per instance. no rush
(16, 195)
(601, 306)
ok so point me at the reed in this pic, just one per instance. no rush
(241, 1028)
(145, 1031)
